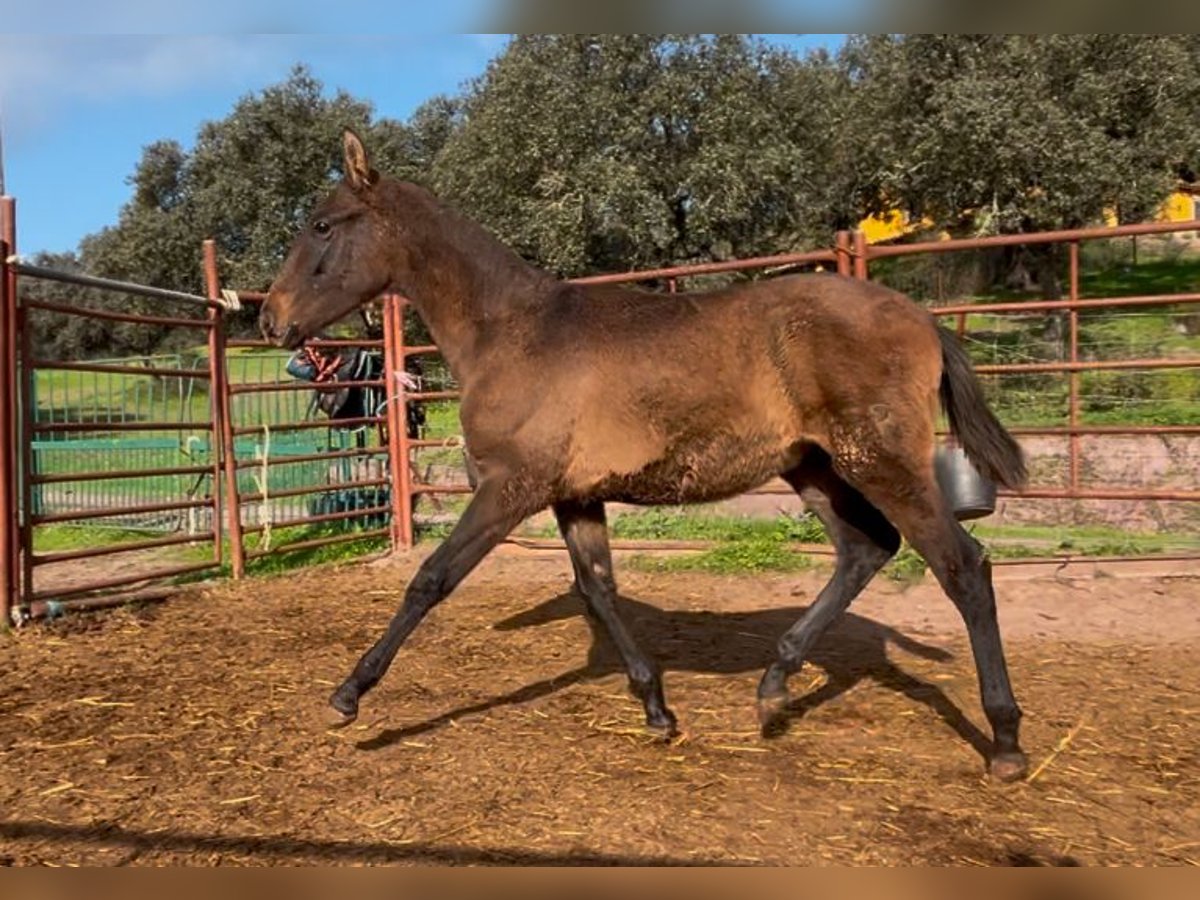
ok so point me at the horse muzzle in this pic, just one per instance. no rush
(283, 335)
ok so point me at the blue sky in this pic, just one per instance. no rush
(76, 110)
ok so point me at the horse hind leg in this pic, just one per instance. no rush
(912, 500)
(864, 540)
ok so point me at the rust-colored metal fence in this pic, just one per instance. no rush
(30, 474)
(252, 472)
(852, 255)
(1074, 365)
(295, 482)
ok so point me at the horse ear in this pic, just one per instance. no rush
(356, 165)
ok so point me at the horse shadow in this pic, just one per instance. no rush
(725, 643)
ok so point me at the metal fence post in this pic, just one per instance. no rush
(860, 255)
(841, 247)
(224, 450)
(1074, 377)
(9, 565)
(399, 449)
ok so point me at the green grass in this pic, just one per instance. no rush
(60, 538)
(742, 546)
(700, 524)
(747, 546)
(1082, 540)
(906, 567)
(1171, 274)
(741, 557)
(104, 397)
(284, 561)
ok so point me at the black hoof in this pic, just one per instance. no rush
(662, 726)
(1009, 767)
(344, 707)
(772, 714)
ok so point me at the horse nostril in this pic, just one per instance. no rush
(266, 323)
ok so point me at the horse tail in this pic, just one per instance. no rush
(989, 447)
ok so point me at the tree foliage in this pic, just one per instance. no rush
(595, 153)
(1013, 133)
(601, 152)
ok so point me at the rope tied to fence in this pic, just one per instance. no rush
(230, 300)
(264, 455)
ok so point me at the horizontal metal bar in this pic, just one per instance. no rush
(59, 478)
(423, 349)
(311, 457)
(324, 517)
(311, 489)
(117, 316)
(828, 550)
(880, 251)
(251, 343)
(433, 395)
(773, 488)
(264, 387)
(49, 427)
(1059, 559)
(365, 343)
(38, 608)
(337, 343)
(454, 442)
(43, 559)
(323, 423)
(776, 487)
(736, 265)
(417, 488)
(63, 365)
(109, 284)
(75, 590)
(1047, 305)
(1090, 366)
(106, 512)
(320, 542)
(658, 544)
(1037, 493)
(1085, 430)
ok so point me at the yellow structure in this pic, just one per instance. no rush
(885, 227)
(1181, 206)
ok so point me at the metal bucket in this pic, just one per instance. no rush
(970, 495)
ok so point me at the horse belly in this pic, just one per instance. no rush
(714, 470)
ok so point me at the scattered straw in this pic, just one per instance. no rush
(237, 801)
(1059, 748)
(100, 702)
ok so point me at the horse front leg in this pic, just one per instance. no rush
(488, 519)
(585, 531)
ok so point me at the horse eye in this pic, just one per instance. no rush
(321, 227)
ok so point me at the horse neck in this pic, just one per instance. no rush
(467, 286)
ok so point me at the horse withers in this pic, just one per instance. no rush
(574, 396)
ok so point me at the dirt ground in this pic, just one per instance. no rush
(193, 731)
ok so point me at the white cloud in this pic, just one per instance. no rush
(241, 17)
(41, 75)
(155, 17)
